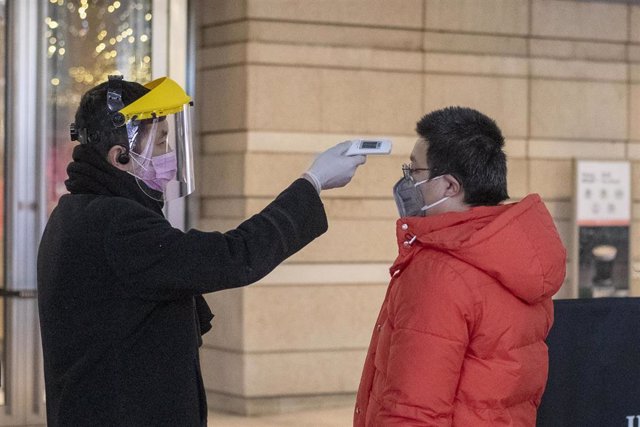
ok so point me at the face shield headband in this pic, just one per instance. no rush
(114, 105)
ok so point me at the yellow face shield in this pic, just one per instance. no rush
(159, 131)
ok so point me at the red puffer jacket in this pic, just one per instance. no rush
(460, 337)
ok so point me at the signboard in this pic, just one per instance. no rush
(603, 217)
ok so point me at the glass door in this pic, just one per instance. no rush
(85, 43)
(51, 52)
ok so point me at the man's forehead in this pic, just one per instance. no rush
(420, 148)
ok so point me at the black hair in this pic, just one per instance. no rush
(94, 117)
(466, 144)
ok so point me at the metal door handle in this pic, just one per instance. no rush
(24, 293)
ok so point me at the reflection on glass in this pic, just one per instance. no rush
(87, 41)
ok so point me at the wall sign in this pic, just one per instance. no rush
(603, 217)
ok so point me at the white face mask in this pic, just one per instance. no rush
(409, 199)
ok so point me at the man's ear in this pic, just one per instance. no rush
(118, 157)
(453, 188)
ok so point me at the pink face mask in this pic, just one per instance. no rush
(159, 171)
(154, 171)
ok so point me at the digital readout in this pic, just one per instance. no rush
(370, 145)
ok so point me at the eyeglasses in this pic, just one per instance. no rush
(408, 171)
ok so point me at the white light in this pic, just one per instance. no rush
(55, 81)
(144, 38)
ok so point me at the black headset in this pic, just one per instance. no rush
(114, 104)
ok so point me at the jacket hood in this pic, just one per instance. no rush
(517, 244)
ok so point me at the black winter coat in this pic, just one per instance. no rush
(119, 294)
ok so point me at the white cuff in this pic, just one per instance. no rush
(313, 180)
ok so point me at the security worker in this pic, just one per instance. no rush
(119, 289)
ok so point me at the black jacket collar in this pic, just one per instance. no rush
(89, 173)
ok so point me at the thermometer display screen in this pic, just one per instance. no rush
(370, 145)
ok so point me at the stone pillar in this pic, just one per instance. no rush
(274, 90)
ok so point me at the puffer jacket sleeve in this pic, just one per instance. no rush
(431, 319)
(153, 260)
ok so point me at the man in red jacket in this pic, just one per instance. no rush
(460, 338)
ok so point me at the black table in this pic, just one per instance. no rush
(594, 364)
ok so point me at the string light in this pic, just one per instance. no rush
(120, 33)
(86, 41)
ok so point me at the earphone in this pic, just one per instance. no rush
(123, 158)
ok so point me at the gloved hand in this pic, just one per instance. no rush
(332, 168)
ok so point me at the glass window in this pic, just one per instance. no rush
(86, 41)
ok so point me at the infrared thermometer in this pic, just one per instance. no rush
(369, 146)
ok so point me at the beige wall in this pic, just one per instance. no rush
(280, 80)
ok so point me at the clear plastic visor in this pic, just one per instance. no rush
(162, 155)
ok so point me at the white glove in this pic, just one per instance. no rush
(332, 168)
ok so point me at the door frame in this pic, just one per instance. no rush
(24, 106)
(173, 54)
